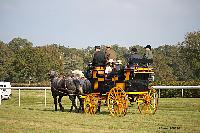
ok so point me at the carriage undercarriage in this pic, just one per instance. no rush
(117, 101)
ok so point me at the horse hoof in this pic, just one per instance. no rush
(81, 110)
(62, 109)
(98, 110)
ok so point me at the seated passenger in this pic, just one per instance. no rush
(109, 67)
(120, 70)
(148, 53)
(88, 71)
(134, 57)
(99, 57)
(110, 53)
(118, 65)
(148, 56)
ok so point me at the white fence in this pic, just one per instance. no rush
(29, 88)
(175, 87)
(48, 88)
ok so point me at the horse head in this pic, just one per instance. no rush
(85, 85)
(52, 74)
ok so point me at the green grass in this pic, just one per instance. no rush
(173, 115)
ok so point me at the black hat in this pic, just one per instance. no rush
(148, 46)
(134, 49)
(97, 47)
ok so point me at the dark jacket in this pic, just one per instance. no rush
(134, 58)
(99, 59)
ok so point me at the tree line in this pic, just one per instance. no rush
(21, 62)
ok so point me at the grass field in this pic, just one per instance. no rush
(173, 115)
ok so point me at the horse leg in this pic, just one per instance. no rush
(60, 104)
(81, 108)
(55, 102)
(72, 98)
(98, 106)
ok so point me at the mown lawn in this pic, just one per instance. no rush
(173, 115)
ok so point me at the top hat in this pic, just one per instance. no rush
(97, 47)
(134, 49)
(148, 46)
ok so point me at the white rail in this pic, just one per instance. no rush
(175, 87)
(26, 88)
(48, 88)
(29, 88)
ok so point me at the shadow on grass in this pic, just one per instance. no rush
(52, 110)
(103, 113)
(65, 110)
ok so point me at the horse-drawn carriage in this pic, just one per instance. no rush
(121, 86)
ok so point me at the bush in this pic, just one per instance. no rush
(40, 84)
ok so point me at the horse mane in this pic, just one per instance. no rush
(77, 73)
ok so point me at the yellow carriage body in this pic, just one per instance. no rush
(117, 96)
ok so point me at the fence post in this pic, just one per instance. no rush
(19, 97)
(45, 97)
(159, 93)
(182, 92)
(0, 99)
(76, 100)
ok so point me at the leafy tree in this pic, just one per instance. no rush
(180, 67)
(21, 59)
(5, 62)
(19, 43)
(120, 52)
(161, 64)
(190, 49)
(72, 58)
(88, 55)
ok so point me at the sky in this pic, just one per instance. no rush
(82, 23)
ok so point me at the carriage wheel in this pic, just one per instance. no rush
(117, 102)
(90, 104)
(148, 103)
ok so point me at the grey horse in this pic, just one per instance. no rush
(65, 86)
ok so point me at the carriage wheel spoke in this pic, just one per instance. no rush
(118, 104)
(90, 104)
(148, 102)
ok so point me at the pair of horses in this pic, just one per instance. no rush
(72, 86)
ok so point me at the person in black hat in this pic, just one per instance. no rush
(148, 53)
(134, 56)
(99, 58)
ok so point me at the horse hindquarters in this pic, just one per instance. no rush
(57, 85)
